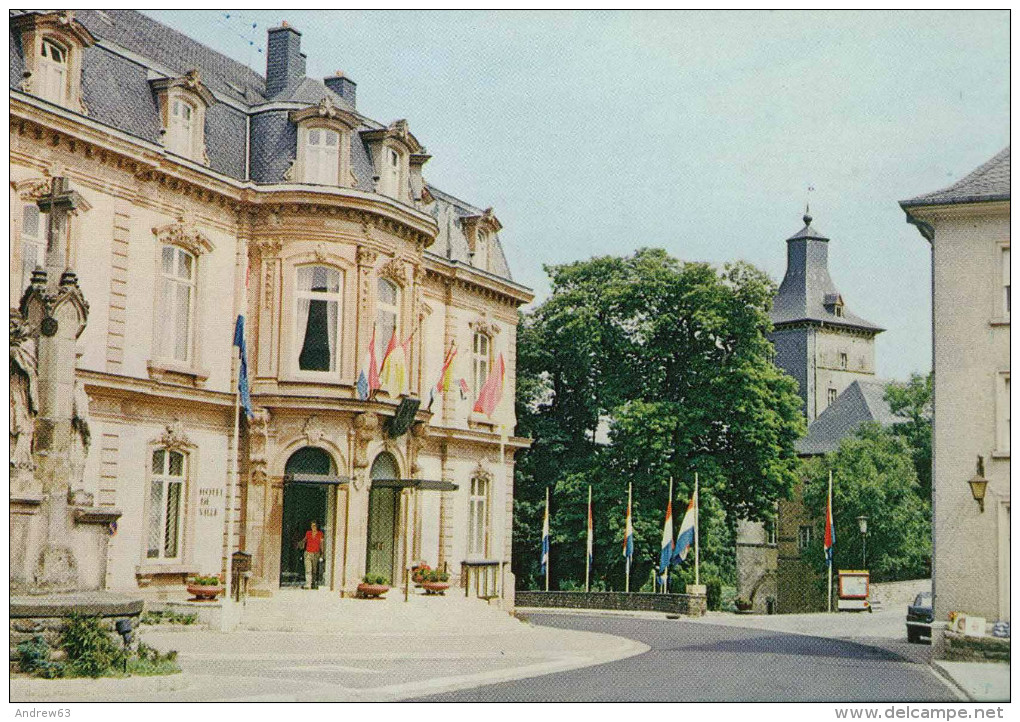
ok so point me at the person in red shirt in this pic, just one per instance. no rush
(313, 555)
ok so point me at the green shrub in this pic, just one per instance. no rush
(34, 658)
(435, 575)
(376, 579)
(713, 590)
(91, 649)
(209, 581)
(168, 616)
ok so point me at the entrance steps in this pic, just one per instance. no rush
(319, 610)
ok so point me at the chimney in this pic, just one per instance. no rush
(285, 63)
(344, 87)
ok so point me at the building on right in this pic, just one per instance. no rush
(967, 225)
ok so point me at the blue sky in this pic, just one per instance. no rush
(698, 132)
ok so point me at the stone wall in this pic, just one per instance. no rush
(693, 605)
(958, 648)
(47, 618)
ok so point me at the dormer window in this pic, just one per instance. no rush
(391, 149)
(53, 44)
(53, 72)
(182, 104)
(480, 232)
(323, 145)
(838, 309)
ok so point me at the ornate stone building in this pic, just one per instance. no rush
(210, 192)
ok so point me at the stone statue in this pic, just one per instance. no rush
(24, 399)
(82, 436)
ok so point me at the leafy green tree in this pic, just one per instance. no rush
(872, 475)
(912, 401)
(675, 355)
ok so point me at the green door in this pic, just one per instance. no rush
(303, 504)
(382, 519)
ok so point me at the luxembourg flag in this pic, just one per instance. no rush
(545, 536)
(591, 535)
(685, 537)
(830, 532)
(667, 537)
(628, 534)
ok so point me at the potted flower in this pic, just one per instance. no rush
(373, 586)
(205, 588)
(743, 605)
(418, 573)
(435, 581)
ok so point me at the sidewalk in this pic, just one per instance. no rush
(314, 646)
(980, 682)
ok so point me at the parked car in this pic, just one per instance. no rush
(919, 616)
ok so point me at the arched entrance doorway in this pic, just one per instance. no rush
(382, 518)
(304, 503)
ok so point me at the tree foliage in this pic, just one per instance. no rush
(675, 356)
(872, 475)
(912, 402)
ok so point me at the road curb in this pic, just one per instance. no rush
(950, 682)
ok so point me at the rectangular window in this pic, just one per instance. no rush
(832, 395)
(322, 156)
(479, 362)
(771, 527)
(1005, 282)
(176, 304)
(392, 172)
(387, 315)
(318, 314)
(1002, 421)
(843, 361)
(182, 131)
(52, 73)
(804, 536)
(478, 519)
(33, 241)
(166, 496)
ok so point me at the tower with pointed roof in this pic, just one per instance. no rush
(818, 340)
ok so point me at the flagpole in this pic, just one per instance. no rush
(549, 551)
(828, 513)
(630, 493)
(665, 577)
(227, 613)
(697, 519)
(587, 550)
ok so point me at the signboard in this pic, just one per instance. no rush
(854, 586)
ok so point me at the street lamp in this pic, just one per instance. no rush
(862, 523)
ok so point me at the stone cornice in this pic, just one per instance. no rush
(397, 130)
(191, 81)
(477, 281)
(325, 110)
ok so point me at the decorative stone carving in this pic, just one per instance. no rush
(321, 252)
(417, 440)
(313, 430)
(24, 399)
(366, 428)
(480, 472)
(32, 189)
(39, 306)
(366, 256)
(268, 247)
(393, 270)
(82, 438)
(258, 445)
(173, 437)
(184, 234)
(484, 326)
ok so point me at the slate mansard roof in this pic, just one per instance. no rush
(860, 403)
(133, 49)
(989, 182)
(807, 293)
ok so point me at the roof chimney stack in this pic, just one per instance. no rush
(285, 63)
(344, 87)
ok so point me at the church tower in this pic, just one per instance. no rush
(818, 340)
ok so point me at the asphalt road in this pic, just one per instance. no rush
(691, 662)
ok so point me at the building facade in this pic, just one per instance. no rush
(212, 192)
(828, 350)
(967, 225)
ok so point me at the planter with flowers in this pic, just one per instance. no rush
(205, 589)
(435, 581)
(373, 586)
(418, 573)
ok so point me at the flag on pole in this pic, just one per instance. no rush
(492, 389)
(465, 390)
(591, 534)
(242, 372)
(830, 532)
(368, 379)
(393, 374)
(685, 536)
(445, 375)
(545, 535)
(628, 534)
(667, 538)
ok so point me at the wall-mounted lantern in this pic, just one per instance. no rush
(979, 484)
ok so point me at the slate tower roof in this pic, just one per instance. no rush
(807, 293)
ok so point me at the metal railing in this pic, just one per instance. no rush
(481, 577)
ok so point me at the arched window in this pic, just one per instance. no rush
(52, 69)
(166, 499)
(182, 139)
(318, 314)
(384, 467)
(387, 315)
(322, 156)
(310, 460)
(176, 304)
(480, 361)
(478, 517)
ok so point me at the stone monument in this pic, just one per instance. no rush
(59, 536)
